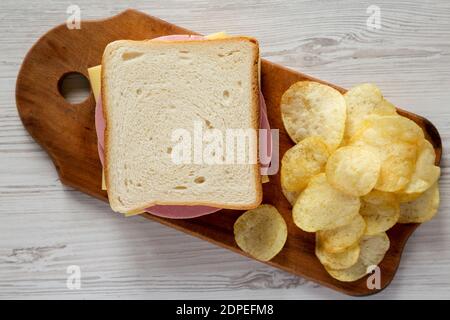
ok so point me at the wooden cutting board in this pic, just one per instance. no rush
(66, 131)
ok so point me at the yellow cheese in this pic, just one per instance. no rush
(95, 77)
(134, 212)
(95, 74)
(217, 35)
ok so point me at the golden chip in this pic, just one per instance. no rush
(407, 197)
(261, 232)
(338, 239)
(313, 109)
(385, 108)
(354, 170)
(425, 173)
(337, 261)
(303, 161)
(397, 139)
(373, 249)
(380, 211)
(291, 196)
(377, 197)
(322, 207)
(363, 100)
(421, 209)
(379, 218)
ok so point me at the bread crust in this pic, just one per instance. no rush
(255, 74)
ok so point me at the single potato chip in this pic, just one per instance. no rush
(397, 139)
(425, 173)
(422, 209)
(379, 218)
(313, 109)
(373, 249)
(303, 161)
(380, 211)
(385, 108)
(363, 100)
(377, 197)
(261, 232)
(339, 239)
(322, 207)
(291, 196)
(337, 261)
(354, 170)
(407, 197)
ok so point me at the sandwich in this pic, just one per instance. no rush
(153, 89)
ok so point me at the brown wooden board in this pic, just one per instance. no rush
(67, 132)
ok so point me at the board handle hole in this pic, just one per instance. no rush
(74, 87)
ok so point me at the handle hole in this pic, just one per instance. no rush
(74, 87)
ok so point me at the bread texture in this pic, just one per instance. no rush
(150, 89)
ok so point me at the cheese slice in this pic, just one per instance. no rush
(217, 35)
(95, 76)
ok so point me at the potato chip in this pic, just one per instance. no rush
(407, 197)
(363, 100)
(377, 197)
(425, 173)
(385, 108)
(397, 140)
(322, 207)
(337, 261)
(291, 196)
(379, 218)
(354, 170)
(313, 109)
(261, 232)
(421, 209)
(341, 238)
(373, 248)
(303, 161)
(380, 211)
(379, 131)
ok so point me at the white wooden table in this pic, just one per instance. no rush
(46, 227)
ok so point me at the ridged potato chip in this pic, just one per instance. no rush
(354, 170)
(363, 100)
(422, 209)
(313, 109)
(425, 173)
(380, 211)
(339, 239)
(303, 161)
(373, 249)
(337, 261)
(322, 207)
(397, 139)
(261, 232)
(291, 196)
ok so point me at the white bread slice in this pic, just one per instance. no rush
(149, 89)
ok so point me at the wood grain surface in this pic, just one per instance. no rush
(46, 227)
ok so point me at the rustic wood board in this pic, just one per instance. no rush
(67, 133)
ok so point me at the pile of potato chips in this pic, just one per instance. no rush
(356, 170)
